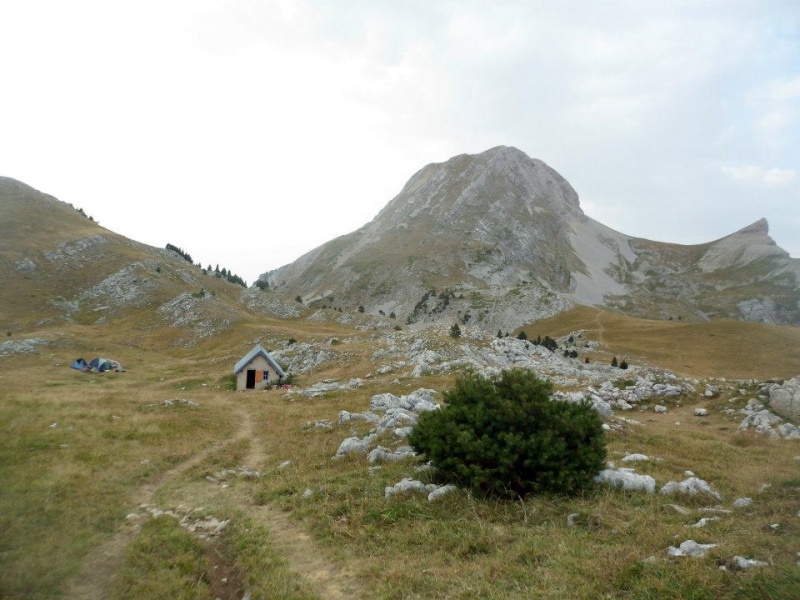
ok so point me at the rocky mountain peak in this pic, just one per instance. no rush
(499, 239)
(760, 227)
(502, 181)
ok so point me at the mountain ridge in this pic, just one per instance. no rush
(509, 229)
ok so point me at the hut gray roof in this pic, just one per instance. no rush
(248, 358)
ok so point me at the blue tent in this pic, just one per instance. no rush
(97, 365)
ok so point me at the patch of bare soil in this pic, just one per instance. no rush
(305, 558)
(227, 582)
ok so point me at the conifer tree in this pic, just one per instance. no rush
(505, 437)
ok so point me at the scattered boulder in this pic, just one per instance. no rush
(690, 548)
(181, 402)
(740, 563)
(635, 458)
(346, 417)
(441, 491)
(704, 521)
(692, 486)
(407, 484)
(419, 401)
(355, 445)
(381, 454)
(784, 399)
(627, 479)
(760, 419)
(20, 347)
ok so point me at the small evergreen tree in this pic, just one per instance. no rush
(623, 364)
(550, 343)
(522, 335)
(298, 298)
(614, 362)
(499, 333)
(361, 309)
(455, 331)
(506, 437)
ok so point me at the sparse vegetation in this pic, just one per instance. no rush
(164, 561)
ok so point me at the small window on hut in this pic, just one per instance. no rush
(266, 375)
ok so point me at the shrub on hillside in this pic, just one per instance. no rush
(505, 437)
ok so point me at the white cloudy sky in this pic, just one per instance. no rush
(250, 131)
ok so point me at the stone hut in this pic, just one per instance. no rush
(257, 370)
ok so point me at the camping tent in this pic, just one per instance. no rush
(97, 365)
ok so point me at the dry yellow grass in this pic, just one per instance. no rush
(732, 349)
(114, 444)
(66, 501)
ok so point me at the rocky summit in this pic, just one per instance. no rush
(498, 239)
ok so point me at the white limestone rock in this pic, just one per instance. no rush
(441, 491)
(741, 563)
(692, 486)
(408, 485)
(355, 445)
(381, 454)
(690, 548)
(626, 479)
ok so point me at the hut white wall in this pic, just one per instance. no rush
(259, 363)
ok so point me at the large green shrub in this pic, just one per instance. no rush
(505, 437)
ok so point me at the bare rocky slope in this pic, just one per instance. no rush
(498, 239)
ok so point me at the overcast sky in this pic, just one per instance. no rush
(248, 132)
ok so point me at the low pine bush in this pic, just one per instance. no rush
(505, 437)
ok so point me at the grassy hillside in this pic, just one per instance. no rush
(90, 458)
(733, 349)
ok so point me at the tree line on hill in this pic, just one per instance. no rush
(224, 273)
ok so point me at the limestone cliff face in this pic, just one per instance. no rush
(744, 275)
(499, 239)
